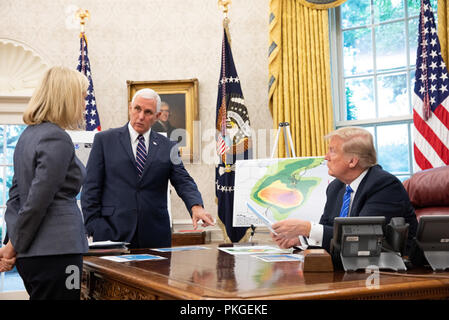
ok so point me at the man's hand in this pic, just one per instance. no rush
(292, 228)
(198, 213)
(285, 243)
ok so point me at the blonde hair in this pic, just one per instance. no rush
(59, 99)
(358, 141)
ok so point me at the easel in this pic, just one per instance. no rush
(285, 126)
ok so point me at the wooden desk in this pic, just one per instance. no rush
(213, 274)
(188, 238)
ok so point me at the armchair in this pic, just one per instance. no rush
(429, 191)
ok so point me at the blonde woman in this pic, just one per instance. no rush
(44, 225)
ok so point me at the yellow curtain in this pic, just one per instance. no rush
(443, 28)
(299, 74)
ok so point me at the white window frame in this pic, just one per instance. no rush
(338, 81)
(11, 111)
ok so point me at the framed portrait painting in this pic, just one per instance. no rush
(179, 111)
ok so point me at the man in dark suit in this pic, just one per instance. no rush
(124, 197)
(361, 188)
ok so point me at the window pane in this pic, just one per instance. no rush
(355, 13)
(2, 144)
(412, 81)
(2, 226)
(357, 51)
(412, 142)
(2, 186)
(392, 95)
(385, 10)
(392, 148)
(360, 99)
(390, 46)
(9, 173)
(414, 7)
(413, 39)
(13, 133)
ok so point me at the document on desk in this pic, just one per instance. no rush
(107, 244)
(132, 257)
(185, 248)
(261, 217)
(280, 257)
(253, 250)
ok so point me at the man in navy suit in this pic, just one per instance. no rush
(124, 197)
(352, 160)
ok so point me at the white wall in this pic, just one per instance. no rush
(152, 40)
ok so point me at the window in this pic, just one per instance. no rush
(9, 134)
(374, 45)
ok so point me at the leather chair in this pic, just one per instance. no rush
(429, 191)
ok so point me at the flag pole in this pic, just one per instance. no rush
(223, 4)
(82, 15)
(92, 119)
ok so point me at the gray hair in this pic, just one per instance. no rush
(148, 94)
(358, 141)
(163, 103)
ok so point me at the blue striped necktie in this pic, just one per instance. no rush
(346, 202)
(141, 155)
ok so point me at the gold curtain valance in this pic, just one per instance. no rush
(321, 4)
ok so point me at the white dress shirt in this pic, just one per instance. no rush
(134, 138)
(316, 232)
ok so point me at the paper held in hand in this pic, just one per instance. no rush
(264, 219)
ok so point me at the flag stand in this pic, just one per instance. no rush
(285, 126)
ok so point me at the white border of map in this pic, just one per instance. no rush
(248, 172)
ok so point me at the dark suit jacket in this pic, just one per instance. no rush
(158, 126)
(42, 215)
(379, 194)
(116, 202)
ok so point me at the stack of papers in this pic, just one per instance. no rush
(107, 244)
(281, 257)
(101, 248)
(133, 257)
(237, 250)
(185, 248)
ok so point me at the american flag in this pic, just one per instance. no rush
(91, 113)
(233, 143)
(430, 101)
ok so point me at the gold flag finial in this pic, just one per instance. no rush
(82, 15)
(224, 6)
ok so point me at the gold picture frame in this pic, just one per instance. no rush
(182, 98)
